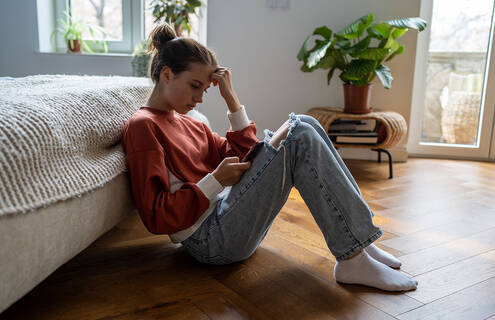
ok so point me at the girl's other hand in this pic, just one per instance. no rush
(230, 171)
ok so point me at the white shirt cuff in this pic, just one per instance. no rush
(210, 186)
(239, 119)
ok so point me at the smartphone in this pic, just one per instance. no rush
(253, 151)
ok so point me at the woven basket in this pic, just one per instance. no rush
(460, 118)
(394, 123)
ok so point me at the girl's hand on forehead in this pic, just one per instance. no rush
(218, 71)
(223, 78)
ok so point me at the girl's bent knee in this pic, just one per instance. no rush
(309, 119)
(308, 129)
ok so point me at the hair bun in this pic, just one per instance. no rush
(160, 35)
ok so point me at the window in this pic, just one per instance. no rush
(104, 13)
(125, 22)
(453, 106)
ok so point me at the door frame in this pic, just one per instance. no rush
(485, 139)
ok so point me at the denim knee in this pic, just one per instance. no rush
(310, 120)
(307, 129)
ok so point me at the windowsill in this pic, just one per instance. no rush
(99, 54)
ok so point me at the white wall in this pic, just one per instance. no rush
(259, 45)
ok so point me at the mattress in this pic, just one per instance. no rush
(34, 245)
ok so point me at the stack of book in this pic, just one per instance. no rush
(354, 131)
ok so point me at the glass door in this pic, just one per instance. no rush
(454, 85)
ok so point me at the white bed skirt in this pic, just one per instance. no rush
(34, 245)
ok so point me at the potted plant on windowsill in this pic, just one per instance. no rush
(73, 31)
(358, 55)
(175, 12)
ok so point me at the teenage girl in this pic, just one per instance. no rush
(218, 196)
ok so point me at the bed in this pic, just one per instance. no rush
(63, 179)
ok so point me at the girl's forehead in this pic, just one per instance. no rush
(200, 72)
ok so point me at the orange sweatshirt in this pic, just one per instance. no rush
(155, 141)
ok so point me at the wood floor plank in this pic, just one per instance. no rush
(406, 224)
(93, 289)
(434, 236)
(432, 203)
(415, 191)
(476, 302)
(452, 278)
(389, 302)
(228, 307)
(442, 255)
(184, 311)
(305, 296)
(310, 240)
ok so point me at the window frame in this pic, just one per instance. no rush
(486, 126)
(132, 26)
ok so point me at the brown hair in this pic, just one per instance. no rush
(177, 53)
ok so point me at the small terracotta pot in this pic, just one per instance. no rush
(357, 99)
(76, 48)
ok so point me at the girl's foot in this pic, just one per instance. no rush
(382, 256)
(363, 269)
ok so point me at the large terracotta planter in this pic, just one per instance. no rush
(357, 99)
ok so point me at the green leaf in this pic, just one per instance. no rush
(86, 47)
(326, 62)
(359, 83)
(383, 73)
(190, 9)
(391, 44)
(358, 69)
(194, 3)
(372, 53)
(355, 30)
(343, 43)
(360, 46)
(170, 13)
(304, 68)
(330, 75)
(303, 53)
(324, 32)
(380, 30)
(400, 50)
(316, 55)
(412, 23)
(397, 33)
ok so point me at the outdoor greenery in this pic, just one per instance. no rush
(359, 51)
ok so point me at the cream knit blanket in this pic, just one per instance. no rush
(60, 134)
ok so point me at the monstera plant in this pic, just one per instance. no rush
(360, 52)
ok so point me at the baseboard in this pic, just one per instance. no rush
(399, 154)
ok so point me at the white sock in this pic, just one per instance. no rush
(382, 256)
(363, 269)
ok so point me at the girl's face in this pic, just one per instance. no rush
(181, 92)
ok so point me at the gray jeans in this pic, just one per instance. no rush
(306, 160)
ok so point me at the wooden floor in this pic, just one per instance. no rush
(438, 217)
